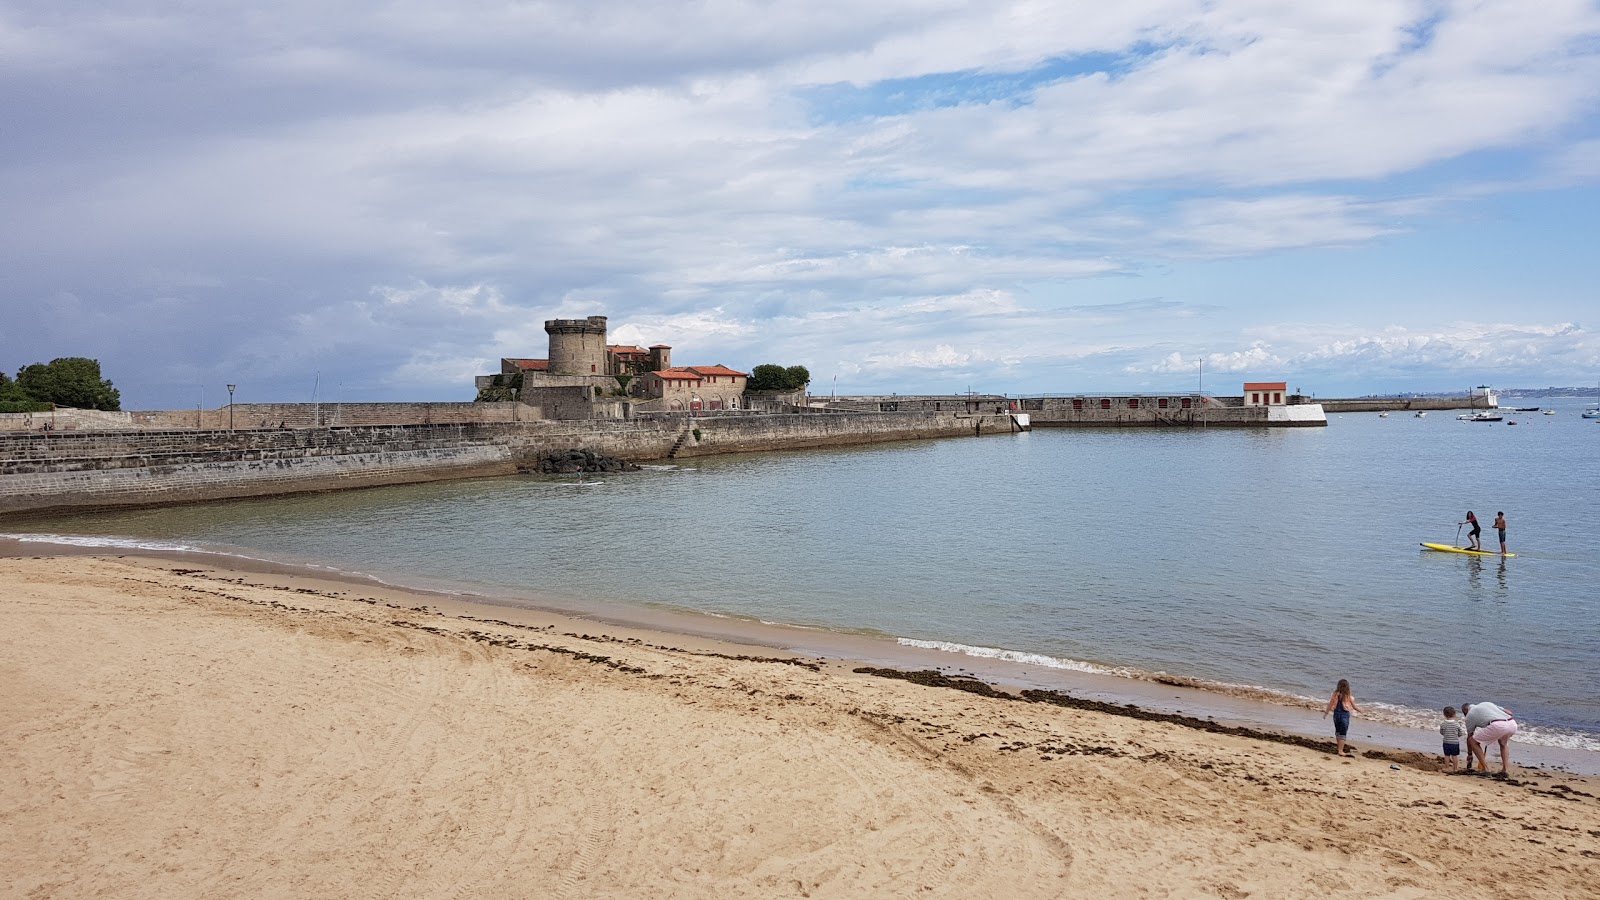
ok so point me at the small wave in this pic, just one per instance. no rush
(1017, 656)
(119, 543)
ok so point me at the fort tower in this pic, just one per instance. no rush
(577, 346)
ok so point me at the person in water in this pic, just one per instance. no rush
(1500, 526)
(1474, 539)
(1341, 704)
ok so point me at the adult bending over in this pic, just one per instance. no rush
(1341, 704)
(1489, 724)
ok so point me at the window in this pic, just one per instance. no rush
(1255, 397)
(1277, 397)
(1105, 403)
(1162, 403)
(1077, 403)
(1187, 402)
(1133, 402)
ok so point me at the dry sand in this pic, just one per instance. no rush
(172, 732)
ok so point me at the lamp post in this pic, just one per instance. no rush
(230, 406)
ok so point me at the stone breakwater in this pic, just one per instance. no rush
(86, 469)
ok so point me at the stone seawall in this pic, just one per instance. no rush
(1210, 415)
(64, 470)
(1386, 404)
(90, 469)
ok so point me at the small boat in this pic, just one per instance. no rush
(1383, 415)
(1480, 416)
(1549, 412)
(1422, 413)
(1524, 409)
(1592, 412)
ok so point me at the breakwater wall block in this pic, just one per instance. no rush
(94, 469)
(82, 469)
(1060, 413)
(1386, 404)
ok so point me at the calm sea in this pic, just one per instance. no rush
(1275, 560)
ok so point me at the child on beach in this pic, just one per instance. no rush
(1341, 704)
(1452, 731)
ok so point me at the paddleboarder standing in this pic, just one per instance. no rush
(1500, 526)
(1473, 539)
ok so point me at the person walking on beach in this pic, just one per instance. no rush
(1488, 724)
(1341, 704)
(1500, 526)
(1452, 732)
(1473, 539)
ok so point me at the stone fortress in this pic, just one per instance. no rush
(615, 400)
(583, 377)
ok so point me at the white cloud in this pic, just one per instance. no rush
(870, 186)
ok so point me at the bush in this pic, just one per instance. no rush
(24, 406)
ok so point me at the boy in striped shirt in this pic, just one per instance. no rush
(1452, 732)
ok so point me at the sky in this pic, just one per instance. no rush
(370, 200)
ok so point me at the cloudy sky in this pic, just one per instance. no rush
(378, 200)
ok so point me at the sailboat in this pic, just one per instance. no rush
(1592, 412)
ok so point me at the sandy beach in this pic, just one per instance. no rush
(172, 730)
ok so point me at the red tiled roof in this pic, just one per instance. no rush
(531, 365)
(678, 374)
(717, 370)
(1266, 385)
(626, 348)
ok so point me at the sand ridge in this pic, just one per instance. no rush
(177, 731)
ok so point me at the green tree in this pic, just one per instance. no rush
(69, 381)
(769, 377)
(766, 377)
(13, 400)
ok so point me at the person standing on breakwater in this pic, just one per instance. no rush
(1341, 704)
(1488, 724)
(1500, 526)
(1473, 539)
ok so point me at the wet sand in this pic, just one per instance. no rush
(177, 729)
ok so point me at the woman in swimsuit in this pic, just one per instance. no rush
(1473, 539)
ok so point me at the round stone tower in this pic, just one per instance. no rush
(577, 346)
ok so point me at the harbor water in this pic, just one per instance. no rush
(1248, 562)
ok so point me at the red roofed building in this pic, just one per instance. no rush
(695, 388)
(510, 366)
(1266, 393)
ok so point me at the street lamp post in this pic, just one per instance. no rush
(230, 406)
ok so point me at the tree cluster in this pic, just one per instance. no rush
(770, 377)
(71, 381)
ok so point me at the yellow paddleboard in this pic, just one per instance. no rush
(1446, 548)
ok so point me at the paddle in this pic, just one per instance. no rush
(1458, 531)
